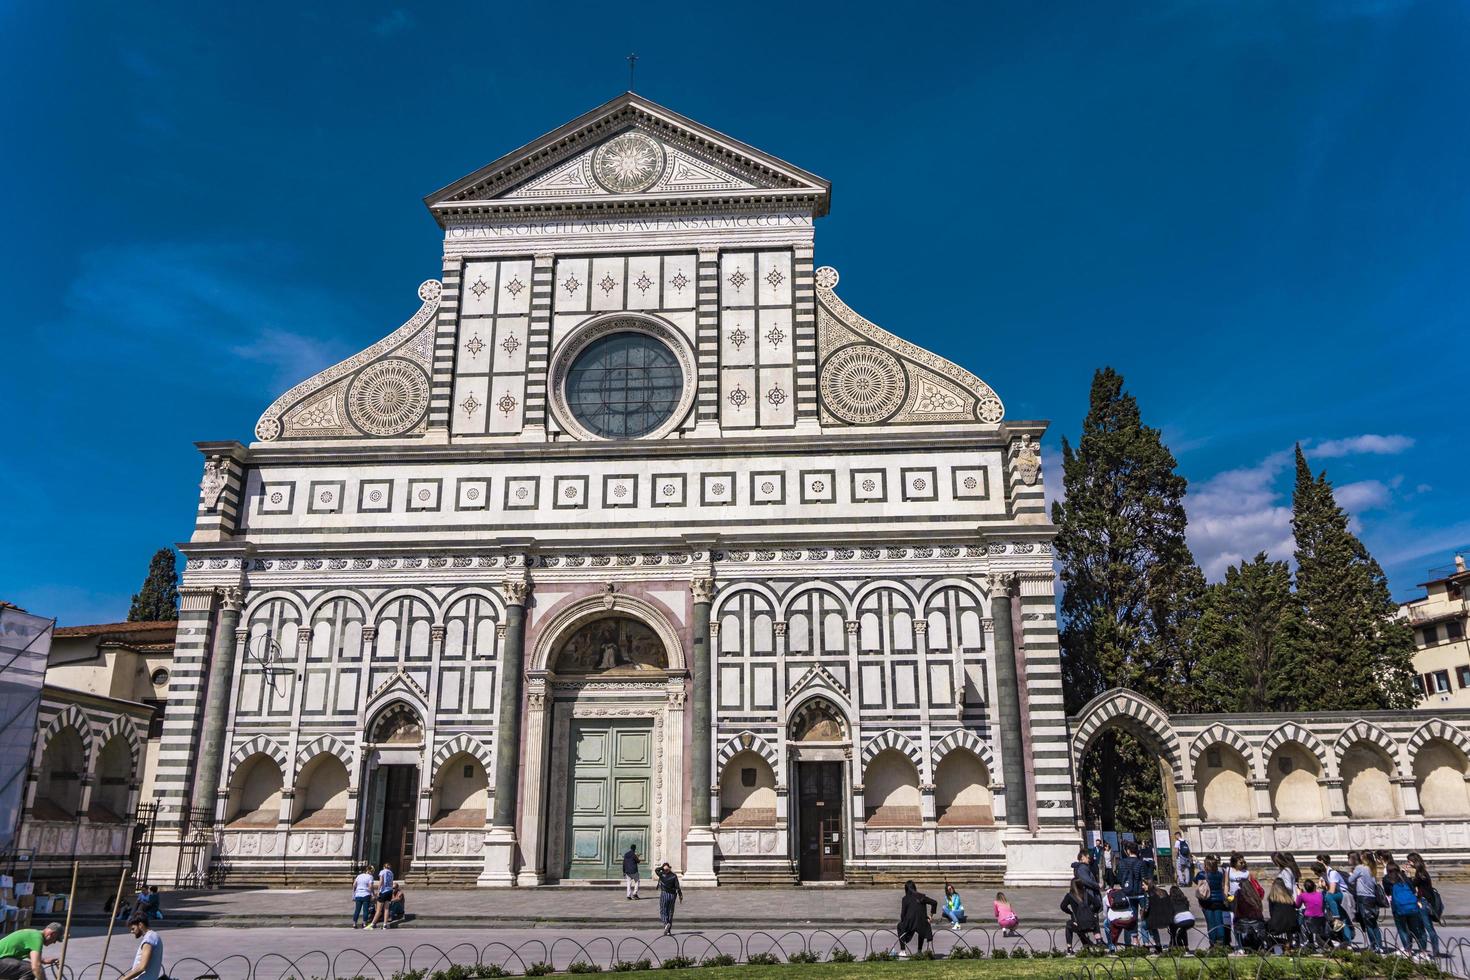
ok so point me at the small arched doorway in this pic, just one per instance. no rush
(394, 750)
(1125, 757)
(820, 749)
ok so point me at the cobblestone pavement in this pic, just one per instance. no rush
(278, 952)
(583, 907)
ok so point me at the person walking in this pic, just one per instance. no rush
(630, 872)
(669, 892)
(384, 895)
(1082, 905)
(1368, 897)
(20, 952)
(914, 914)
(148, 960)
(954, 908)
(362, 896)
(1431, 906)
(1109, 876)
(1211, 894)
(1407, 912)
(1183, 861)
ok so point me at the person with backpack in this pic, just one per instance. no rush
(1249, 915)
(1121, 917)
(1431, 906)
(1183, 861)
(1131, 875)
(1404, 902)
(1158, 915)
(1082, 904)
(1368, 897)
(1210, 890)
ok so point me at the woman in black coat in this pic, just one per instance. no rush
(913, 920)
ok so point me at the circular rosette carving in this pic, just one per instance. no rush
(628, 163)
(827, 277)
(989, 409)
(389, 397)
(268, 428)
(863, 383)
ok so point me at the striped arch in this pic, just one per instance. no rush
(331, 745)
(978, 591)
(963, 738)
(70, 716)
(1292, 732)
(733, 589)
(891, 739)
(736, 745)
(823, 587)
(888, 584)
(1435, 728)
(259, 600)
(258, 744)
(123, 725)
(436, 612)
(1218, 734)
(1135, 714)
(331, 595)
(1366, 731)
(474, 592)
(467, 744)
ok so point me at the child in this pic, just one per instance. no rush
(1005, 916)
(1183, 919)
(954, 909)
(1120, 917)
(1310, 901)
(1159, 917)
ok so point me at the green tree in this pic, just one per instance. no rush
(1355, 655)
(1248, 640)
(159, 597)
(1132, 588)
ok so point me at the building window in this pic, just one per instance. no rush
(1454, 630)
(1464, 675)
(1430, 635)
(1441, 682)
(625, 385)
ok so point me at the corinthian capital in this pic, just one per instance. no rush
(514, 590)
(232, 597)
(702, 589)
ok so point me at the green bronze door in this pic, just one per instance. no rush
(610, 799)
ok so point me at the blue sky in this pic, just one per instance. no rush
(1255, 210)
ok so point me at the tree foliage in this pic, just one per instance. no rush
(1248, 641)
(1354, 654)
(1132, 588)
(159, 597)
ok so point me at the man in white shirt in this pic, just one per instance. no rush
(362, 896)
(148, 961)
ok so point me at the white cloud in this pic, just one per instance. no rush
(1360, 445)
(1362, 495)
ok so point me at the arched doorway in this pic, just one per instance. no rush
(394, 750)
(820, 747)
(604, 742)
(1126, 760)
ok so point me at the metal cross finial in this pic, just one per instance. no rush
(632, 64)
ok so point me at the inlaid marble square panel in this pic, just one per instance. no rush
(971, 483)
(768, 487)
(375, 496)
(620, 490)
(668, 489)
(521, 492)
(717, 489)
(325, 497)
(869, 486)
(472, 494)
(424, 494)
(919, 483)
(569, 493)
(277, 498)
(818, 486)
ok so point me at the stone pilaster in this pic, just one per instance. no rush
(1008, 703)
(699, 865)
(500, 839)
(223, 653)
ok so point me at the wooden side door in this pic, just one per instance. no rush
(820, 807)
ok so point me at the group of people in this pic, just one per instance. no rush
(1124, 903)
(21, 956)
(148, 904)
(377, 899)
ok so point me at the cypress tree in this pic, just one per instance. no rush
(1355, 655)
(1248, 640)
(1132, 588)
(159, 597)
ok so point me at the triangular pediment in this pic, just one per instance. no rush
(631, 154)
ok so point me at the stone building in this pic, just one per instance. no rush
(634, 533)
(1441, 620)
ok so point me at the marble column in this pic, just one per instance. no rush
(500, 839)
(1008, 703)
(699, 865)
(223, 650)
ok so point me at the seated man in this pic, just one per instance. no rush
(396, 905)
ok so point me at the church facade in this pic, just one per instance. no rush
(634, 534)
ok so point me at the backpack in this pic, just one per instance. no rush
(1117, 900)
(1380, 898)
(1405, 902)
(1202, 891)
(1436, 905)
(1130, 877)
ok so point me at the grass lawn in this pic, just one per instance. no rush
(1044, 969)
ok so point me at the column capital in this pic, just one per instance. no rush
(241, 633)
(514, 590)
(852, 627)
(1006, 582)
(436, 633)
(702, 590)
(921, 626)
(232, 598)
(780, 626)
